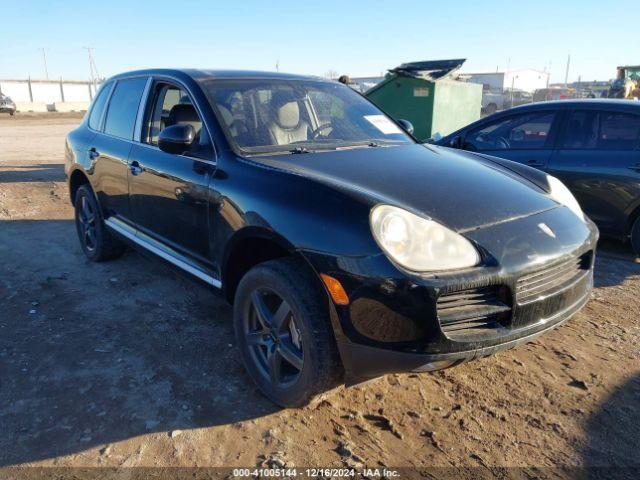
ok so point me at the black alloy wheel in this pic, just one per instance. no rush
(283, 330)
(274, 341)
(87, 224)
(97, 243)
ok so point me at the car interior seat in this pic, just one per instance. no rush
(576, 134)
(185, 114)
(286, 125)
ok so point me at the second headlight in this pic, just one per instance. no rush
(561, 194)
(420, 244)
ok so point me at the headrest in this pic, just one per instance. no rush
(286, 109)
(227, 117)
(184, 113)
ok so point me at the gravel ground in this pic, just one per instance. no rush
(129, 363)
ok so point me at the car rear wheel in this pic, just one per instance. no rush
(284, 333)
(97, 243)
(491, 109)
(635, 236)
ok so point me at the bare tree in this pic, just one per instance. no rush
(332, 74)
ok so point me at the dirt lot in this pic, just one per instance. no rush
(130, 363)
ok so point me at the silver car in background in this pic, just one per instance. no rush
(7, 105)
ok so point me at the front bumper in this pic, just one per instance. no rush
(7, 108)
(395, 323)
(368, 362)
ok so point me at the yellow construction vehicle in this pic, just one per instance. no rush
(627, 83)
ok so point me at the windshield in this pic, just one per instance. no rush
(273, 115)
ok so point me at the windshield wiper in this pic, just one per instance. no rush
(300, 150)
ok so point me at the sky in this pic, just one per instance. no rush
(351, 37)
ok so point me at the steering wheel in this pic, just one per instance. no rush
(502, 143)
(316, 133)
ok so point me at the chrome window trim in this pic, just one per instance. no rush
(180, 84)
(137, 129)
(137, 132)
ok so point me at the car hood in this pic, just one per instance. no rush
(454, 189)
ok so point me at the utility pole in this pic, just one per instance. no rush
(505, 78)
(44, 59)
(579, 86)
(566, 73)
(277, 65)
(93, 69)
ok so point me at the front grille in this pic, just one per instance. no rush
(550, 279)
(473, 309)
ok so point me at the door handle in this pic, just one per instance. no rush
(535, 163)
(135, 168)
(93, 153)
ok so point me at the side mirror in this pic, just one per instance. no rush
(406, 125)
(176, 138)
(456, 142)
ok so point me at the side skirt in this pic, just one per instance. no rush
(160, 250)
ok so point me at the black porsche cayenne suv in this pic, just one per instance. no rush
(348, 249)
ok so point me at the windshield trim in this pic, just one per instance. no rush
(286, 149)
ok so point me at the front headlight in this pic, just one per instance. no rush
(561, 194)
(420, 244)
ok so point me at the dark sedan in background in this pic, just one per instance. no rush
(591, 145)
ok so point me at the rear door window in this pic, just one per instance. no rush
(123, 108)
(593, 130)
(98, 106)
(618, 131)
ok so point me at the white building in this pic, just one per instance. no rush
(525, 79)
(362, 84)
(47, 91)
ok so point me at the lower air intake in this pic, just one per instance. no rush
(474, 310)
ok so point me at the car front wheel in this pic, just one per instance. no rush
(284, 333)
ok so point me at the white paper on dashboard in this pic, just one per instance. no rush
(383, 124)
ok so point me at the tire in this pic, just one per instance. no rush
(635, 236)
(289, 351)
(491, 109)
(97, 243)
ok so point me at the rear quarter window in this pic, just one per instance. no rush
(123, 108)
(98, 106)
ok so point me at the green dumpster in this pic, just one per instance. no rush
(428, 98)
